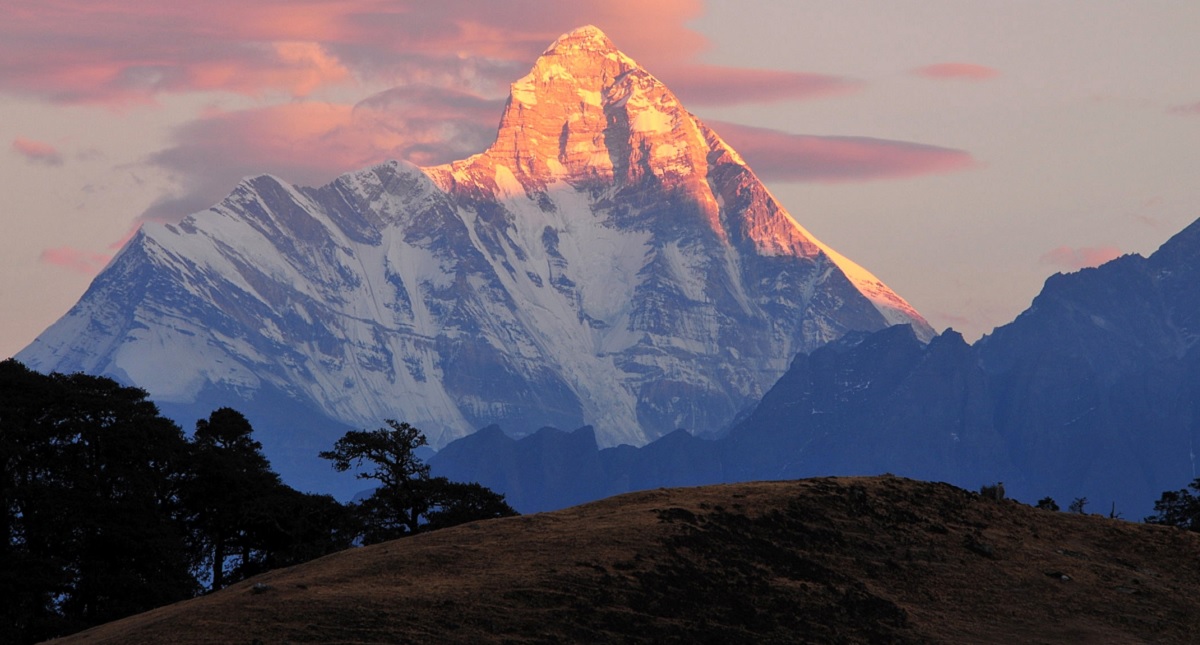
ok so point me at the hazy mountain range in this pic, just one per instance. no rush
(1094, 391)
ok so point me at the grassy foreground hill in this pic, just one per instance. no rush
(834, 560)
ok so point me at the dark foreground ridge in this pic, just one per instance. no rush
(835, 560)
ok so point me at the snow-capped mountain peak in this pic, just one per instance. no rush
(587, 112)
(589, 115)
(608, 260)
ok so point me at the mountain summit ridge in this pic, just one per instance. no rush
(587, 114)
(608, 260)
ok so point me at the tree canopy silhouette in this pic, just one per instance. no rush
(244, 518)
(107, 510)
(408, 499)
(90, 513)
(1178, 508)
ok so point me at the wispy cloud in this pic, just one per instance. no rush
(798, 157)
(37, 151)
(129, 51)
(1191, 109)
(123, 51)
(1075, 258)
(713, 85)
(311, 143)
(79, 261)
(449, 63)
(120, 52)
(953, 319)
(957, 71)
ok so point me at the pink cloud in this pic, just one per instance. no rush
(797, 157)
(118, 52)
(448, 59)
(37, 151)
(713, 85)
(125, 51)
(955, 319)
(298, 68)
(1073, 259)
(79, 261)
(964, 71)
(311, 143)
(1191, 109)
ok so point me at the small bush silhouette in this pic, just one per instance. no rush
(994, 492)
(1047, 504)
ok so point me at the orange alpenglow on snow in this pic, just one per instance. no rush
(589, 115)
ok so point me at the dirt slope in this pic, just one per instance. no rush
(854, 560)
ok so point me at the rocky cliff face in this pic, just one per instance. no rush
(609, 260)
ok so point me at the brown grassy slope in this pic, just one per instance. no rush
(824, 560)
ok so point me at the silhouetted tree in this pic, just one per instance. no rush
(1178, 508)
(408, 499)
(389, 457)
(92, 528)
(106, 510)
(457, 503)
(30, 576)
(294, 527)
(227, 492)
(1078, 505)
(244, 518)
(390, 453)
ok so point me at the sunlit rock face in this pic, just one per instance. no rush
(609, 260)
(587, 115)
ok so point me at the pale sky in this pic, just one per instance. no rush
(961, 151)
